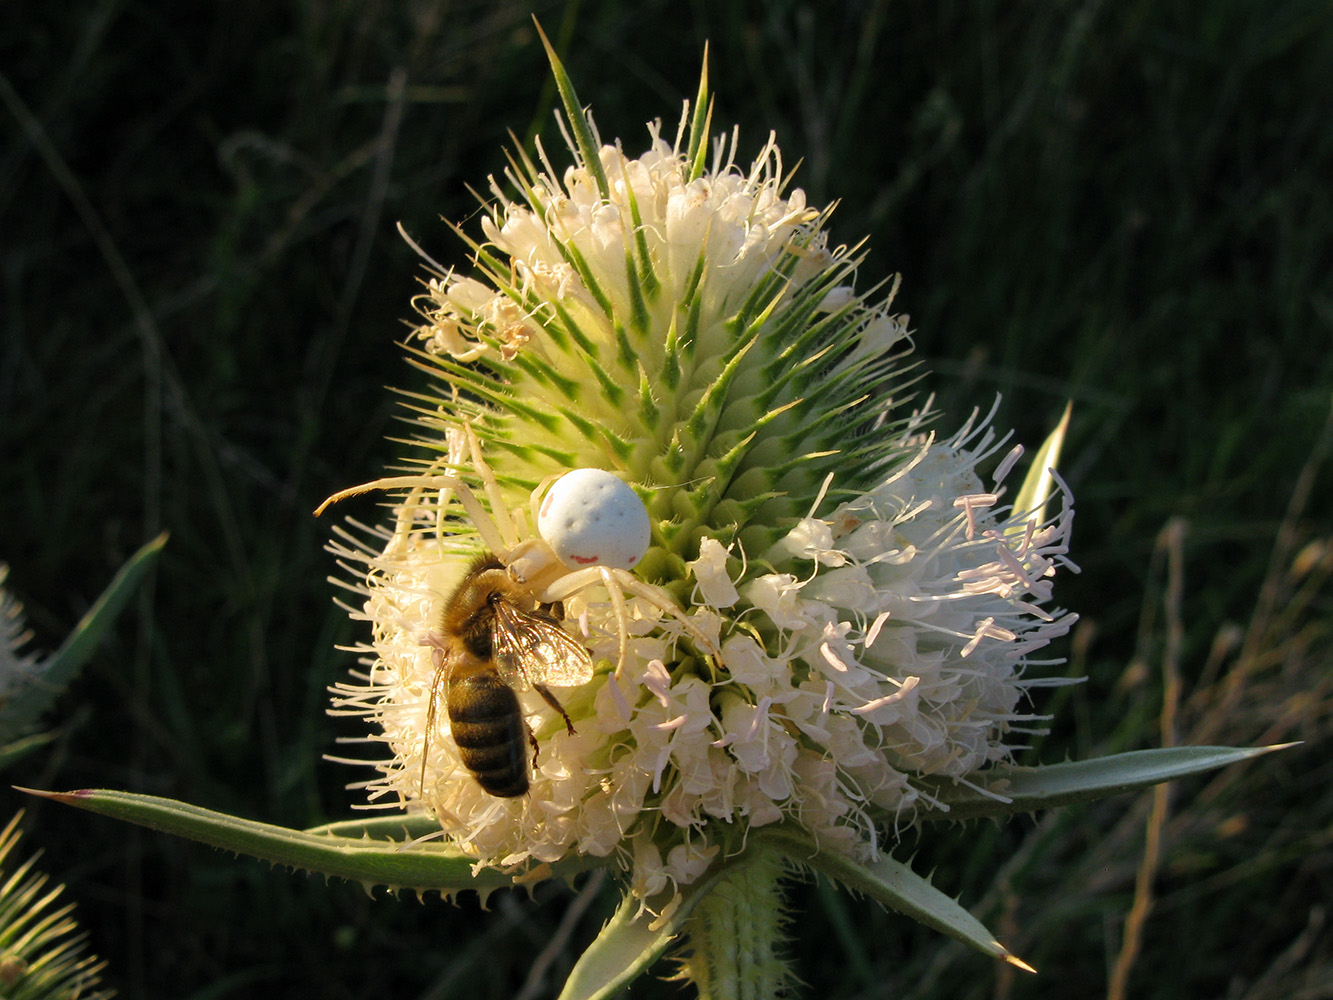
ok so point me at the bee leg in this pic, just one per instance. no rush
(553, 611)
(550, 699)
(532, 742)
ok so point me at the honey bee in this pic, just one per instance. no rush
(494, 635)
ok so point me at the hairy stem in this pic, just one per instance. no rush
(734, 935)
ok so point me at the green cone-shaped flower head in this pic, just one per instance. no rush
(692, 332)
(833, 606)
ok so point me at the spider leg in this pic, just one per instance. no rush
(491, 533)
(390, 483)
(622, 616)
(504, 523)
(573, 582)
(539, 494)
(664, 602)
(618, 582)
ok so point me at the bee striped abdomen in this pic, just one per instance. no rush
(488, 728)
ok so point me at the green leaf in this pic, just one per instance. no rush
(391, 826)
(380, 852)
(896, 886)
(1036, 488)
(634, 938)
(80, 643)
(1002, 791)
(30, 701)
(620, 954)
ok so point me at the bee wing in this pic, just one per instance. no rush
(537, 650)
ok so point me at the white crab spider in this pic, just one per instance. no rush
(590, 528)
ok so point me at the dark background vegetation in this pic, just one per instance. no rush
(1124, 204)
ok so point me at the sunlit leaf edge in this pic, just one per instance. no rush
(1006, 790)
(895, 885)
(29, 701)
(635, 937)
(79, 645)
(372, 860)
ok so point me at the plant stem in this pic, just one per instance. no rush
(734, 934)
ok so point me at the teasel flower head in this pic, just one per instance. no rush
(43, 953)
(836, 608)
(17, 666)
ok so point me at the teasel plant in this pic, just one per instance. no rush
(31, 681)
(43, 953)
(674, 483)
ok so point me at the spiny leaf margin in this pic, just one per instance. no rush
(368, 858)
(895, 885)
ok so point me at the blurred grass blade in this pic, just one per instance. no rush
(17, 749)
(394, 864)
(896, 886)
(1002, 791)
(79, 645)
(1036, 488)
